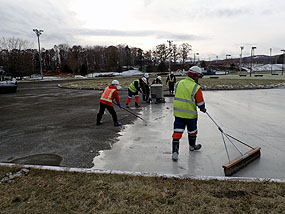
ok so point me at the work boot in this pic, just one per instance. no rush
(116, 124)
(127, 105)
(175, 149)
(99, 123)
(192, 144)
(137, 105)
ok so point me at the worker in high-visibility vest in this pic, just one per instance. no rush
(106, 102)
(188, 95)
(171, 80)
(134, 89)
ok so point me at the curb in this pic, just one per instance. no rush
(144, 174)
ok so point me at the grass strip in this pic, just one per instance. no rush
(45, 191)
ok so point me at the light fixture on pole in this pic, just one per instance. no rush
(170, 44)
(283, 50)
(240, 61)
(38, 33)
(252, 55)
(194, 56)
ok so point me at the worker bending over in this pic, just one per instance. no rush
(106, 101)
(134, 89)
(188, 95)
(157, 80)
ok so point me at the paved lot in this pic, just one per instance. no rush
(44, 124)
(254, 116)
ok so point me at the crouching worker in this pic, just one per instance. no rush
(188, 95)
(106, 101)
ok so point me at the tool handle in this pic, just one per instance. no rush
(215, 123)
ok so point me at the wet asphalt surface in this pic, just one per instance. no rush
(43, 124)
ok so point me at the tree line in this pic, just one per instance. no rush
(17, 57)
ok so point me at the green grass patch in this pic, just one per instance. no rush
(44, 191)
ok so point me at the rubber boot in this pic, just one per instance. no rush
(175, 149)
(99, 122)
(116, 124)
(137, 105)
(192, 143)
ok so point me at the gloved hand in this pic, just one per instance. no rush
(120, 106)
(203, 110)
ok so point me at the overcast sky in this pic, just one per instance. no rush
(212, 27)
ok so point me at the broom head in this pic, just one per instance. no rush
(240, 162)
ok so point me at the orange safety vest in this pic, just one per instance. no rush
(107, 95)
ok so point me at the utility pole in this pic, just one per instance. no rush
(170, 44)
(283, 50)
(241, 48)
(252, 55)
(38, 33)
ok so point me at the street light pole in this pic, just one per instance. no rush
(38, 33)
(170, 44)
(283, 50)
(241, 48)
(194, 56)
(270, 60)
(252, 55)
(227, 59)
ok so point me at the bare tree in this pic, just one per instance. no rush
(185, 49)
(12, 43)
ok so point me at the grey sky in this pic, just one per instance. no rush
(212, 27)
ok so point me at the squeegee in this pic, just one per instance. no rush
(243, 160)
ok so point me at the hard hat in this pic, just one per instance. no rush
(116, 83)
(171, 72)
(159, 77)
(146, 75)
(144, 79)
(196, 70)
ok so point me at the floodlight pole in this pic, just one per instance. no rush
(252, 55)
(170, 44)
(241, 48)
(38, 33)
(283, 50)
(270, 60)
(194, 57)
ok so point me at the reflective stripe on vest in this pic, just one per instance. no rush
(107, 94)
(184, 101)
(171, 79)
(132, 86)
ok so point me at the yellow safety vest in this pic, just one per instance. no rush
(184, 100)
(132, 86)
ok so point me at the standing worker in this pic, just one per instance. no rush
(145, 88)
(188, 95)
(171, 79)
(134, 89)
(106, 101)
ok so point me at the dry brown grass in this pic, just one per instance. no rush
(204, 82)
(43, 191)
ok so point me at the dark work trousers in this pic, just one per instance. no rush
(145, 89)
(110, 109)
(171, 87)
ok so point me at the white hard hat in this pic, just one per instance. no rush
(116, 83)
(171, 72)
(196, 70)
(146, 75)
(144, 80)
(159, 77)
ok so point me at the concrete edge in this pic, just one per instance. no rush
(144, 174)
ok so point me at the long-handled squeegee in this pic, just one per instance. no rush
(240, 162)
